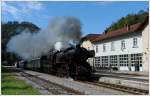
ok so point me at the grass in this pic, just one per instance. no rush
(10, 85)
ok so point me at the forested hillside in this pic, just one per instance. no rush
(128, 20)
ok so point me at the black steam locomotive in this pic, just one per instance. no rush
(70, 62)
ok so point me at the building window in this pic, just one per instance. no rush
(96, 48)
(97, 63)
(112, 46)
(113, 61)
(104, 47)
(123, 45)
(135, 43)
(123, 60)
(136, 58)
(105, 61)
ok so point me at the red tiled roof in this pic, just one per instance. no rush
(91, 37)
(118, 32)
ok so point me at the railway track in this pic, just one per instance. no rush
(58, 89)
(51, 87)
(127, 89)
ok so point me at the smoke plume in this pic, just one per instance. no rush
(32, 45)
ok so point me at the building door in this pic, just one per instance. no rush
(137, 66)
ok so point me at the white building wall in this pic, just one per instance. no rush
(117, 46)
(145, 40)
(129, 49)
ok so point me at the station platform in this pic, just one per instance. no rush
(144, 78)
(135, 73)
(126, 79)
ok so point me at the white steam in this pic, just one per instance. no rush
(58, 45)
(32, 45)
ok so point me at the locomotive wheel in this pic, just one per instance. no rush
(82, 73)
(62, 71)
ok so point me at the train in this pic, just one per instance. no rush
(69, 62)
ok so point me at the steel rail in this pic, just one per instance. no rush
(127, 89)
(35, 78)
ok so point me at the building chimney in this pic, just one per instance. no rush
(127, 27)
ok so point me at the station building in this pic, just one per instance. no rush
(124, 49)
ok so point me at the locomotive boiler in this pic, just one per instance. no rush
(69, 62)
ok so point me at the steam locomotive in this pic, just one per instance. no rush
(70, 62)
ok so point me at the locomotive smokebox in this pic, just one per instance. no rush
(91, 53)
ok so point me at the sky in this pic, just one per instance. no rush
(94, 16)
